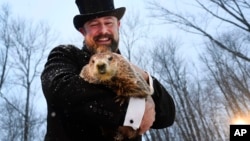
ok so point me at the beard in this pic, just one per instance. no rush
(94, 48)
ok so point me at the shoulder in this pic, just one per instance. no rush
(69, 51)
(65, 49)
(67, 54)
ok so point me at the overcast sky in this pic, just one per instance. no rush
(59, 13)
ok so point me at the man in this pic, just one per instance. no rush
(76, 109)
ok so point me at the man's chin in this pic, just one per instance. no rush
(103, 48)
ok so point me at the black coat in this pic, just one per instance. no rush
(76, 109)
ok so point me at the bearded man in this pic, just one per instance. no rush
(76, 108)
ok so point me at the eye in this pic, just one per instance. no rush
(110, 58)
(109, 23)
(94, 25)
(92, 61)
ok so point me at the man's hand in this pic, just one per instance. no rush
(148, 117)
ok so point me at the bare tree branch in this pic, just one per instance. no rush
(178, 19)
(26, 43)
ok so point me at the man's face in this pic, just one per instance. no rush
(101, 34)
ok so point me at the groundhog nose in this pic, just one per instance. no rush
(101, 68)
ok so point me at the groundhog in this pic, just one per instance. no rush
(115, 72)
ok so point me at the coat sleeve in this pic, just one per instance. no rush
(71, 97)
(164, 106)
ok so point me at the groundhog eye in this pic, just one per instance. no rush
(93, 61)
(110, 58)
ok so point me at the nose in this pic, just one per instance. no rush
(101, 68)
(103, 29)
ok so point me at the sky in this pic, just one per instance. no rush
(59, 13)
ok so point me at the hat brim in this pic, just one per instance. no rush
(79, 20)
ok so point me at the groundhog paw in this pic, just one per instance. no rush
(121, 100)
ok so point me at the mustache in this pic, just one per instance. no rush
(104, 36)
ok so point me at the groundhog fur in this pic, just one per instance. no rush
(115, 72)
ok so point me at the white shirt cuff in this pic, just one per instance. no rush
(135, 112)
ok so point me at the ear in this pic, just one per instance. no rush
(81, 29)
(118, 23)
(86, 75)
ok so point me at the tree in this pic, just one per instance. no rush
(231, 13)
(25, 44)
(5, 44)
(229, 73)
(222, 91)
(195, 101)
(172, 72)
(132, 35)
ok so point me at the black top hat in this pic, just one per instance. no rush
(90, 9)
